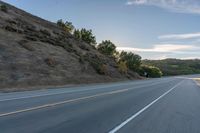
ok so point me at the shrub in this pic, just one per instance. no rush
(69, 26)
(150, 71)
(66, 26)
(97, 63)
(122, 67)
(45, 32)
(103, 69)
(107, 47)
(85, 35)
(98, 66)
(50, 61)
(132, 60)
(60, 23)
(77, 34)
(10, 28)
(3, 8)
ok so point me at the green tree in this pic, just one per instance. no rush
(66, 26)
(3, 8)
(132, 60)
(69, 26)
(60, 23)
(172, 67)
(85, 35)
(107, 47)
(152, 71)
(77, 34)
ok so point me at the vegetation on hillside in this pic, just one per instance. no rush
(3, 8)
(122, 67)
(132, 60)
(67, 26)
(171, 67)
(150, 71)
(126, 60)
(85, 35)
(107, 47)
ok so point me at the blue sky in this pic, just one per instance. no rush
(155, 29)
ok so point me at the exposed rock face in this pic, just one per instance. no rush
(36, 52)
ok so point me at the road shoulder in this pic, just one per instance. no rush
(197, 81)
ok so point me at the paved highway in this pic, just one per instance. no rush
(166, 105)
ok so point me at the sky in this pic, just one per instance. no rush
(154, 29)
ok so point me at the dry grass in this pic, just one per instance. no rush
(197, 80)
(35, 52)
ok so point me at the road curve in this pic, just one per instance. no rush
(166, 105)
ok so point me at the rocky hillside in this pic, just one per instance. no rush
(35, 52)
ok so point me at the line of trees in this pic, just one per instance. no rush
(125, 60)
(172, 67)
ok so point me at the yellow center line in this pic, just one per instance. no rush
(63, 102)
(73, 100)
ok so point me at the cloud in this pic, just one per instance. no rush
(137, 2)
(181, 36)
(161, 48)
(181, 6)
(163, 51)
(191, 57)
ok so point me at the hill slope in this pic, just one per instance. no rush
(171, 67)
(36, 52)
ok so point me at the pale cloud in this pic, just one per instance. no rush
(161, 48)
(163, 51)
(191, 57)
(182, 6)
(138, 2)
(181, 36)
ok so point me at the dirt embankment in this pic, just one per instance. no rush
(35, 52)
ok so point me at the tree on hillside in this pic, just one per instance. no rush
(3, 8)
(66, 26)
(152, 71)
(107, 47)
(60, 23)
(132, 60)
(77, 34)
(69, 26)
(85, 35)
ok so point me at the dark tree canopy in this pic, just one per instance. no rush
(85, 35)
(151, 71)
(3, 8)
(133, 60)
(107, 47)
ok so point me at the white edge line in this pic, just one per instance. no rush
(142, 110)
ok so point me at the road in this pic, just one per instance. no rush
(165, 105)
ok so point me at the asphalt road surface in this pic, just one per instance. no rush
(165, 105)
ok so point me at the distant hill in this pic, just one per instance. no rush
(175, 66)
(35, 52)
